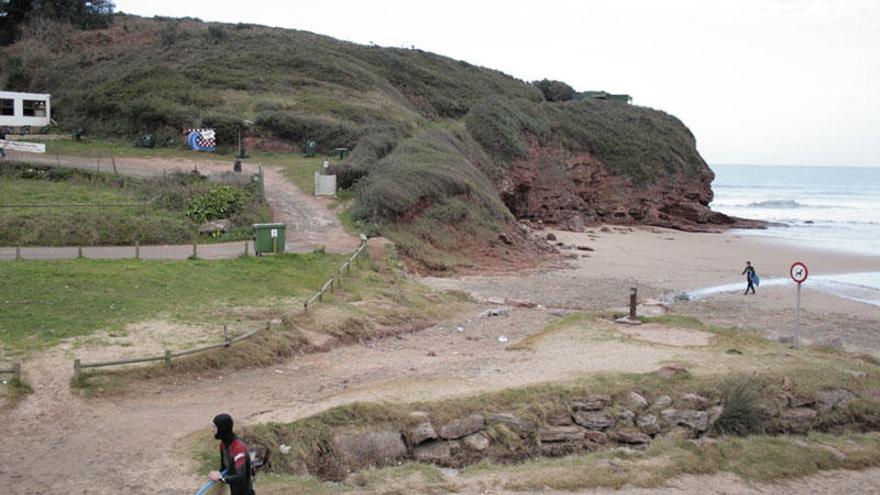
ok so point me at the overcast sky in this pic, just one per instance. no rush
(789, 82)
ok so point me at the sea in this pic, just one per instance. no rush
(834, 208)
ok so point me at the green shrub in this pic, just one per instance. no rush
(329, 134)
(742, 414)
(218, 202)
(555, 90)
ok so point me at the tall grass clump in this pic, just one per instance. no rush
(741, 414)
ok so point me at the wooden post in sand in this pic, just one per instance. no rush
(633, 300)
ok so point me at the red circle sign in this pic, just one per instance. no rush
(798, 272)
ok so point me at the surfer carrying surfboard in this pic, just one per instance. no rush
(751, 278)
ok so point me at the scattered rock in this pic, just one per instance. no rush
(516, 424)
(584, 248)
(799, 420)
(595, 402)
(462, 427)
(560, 434)
(432, 354)
(785, 339)
(477, 441)
(551, 236)
(831, 399)
(801, 401)
(638, 401)
(672, 370)
(596, 437)
(371, 448)
(787, 384)
(605, 230)
(561, 449)
(420, 432)
(558, 418)
(649, 424)
(694, 401)
(433, 452)
(626, 418)
(628, 321)
(695, 420)
(593, 420)
(663, 402)
(631, 438)
(503, 311)
(505, 239)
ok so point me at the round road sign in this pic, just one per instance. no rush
(798, 272)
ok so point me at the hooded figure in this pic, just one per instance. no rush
(235, 461)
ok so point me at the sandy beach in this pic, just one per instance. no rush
(663, 263)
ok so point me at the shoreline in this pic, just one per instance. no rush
(604, 263)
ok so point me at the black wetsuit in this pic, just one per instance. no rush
(749, 272)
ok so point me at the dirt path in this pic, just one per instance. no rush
(310, 223)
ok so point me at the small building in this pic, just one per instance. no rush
(21, 112)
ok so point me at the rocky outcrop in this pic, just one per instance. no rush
(573, 191)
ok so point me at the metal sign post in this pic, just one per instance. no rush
(798, 273)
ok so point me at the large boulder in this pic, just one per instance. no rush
(421, 431)
(519, 425)
(631, 437)
(433, 452)
(462, 427)
(695, 420)
(358, 450)
(593, 420)
(560, 434)
(476, 441)
(649, 423)
(798, 420)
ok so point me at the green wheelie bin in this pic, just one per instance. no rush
(268, 238)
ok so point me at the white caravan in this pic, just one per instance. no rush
(24, 112)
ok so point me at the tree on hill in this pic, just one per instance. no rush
(555, 90)
(83, 14)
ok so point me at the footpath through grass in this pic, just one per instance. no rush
(43, 302)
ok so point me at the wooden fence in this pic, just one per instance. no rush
(78, 365)
(15, 371)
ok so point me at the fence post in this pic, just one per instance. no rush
(18, 252)
(167, 358)
(16, 372)
(79, 251)
(246, 249)
(633, 302)
(76, 364)
(306, 307)
(226, 334)
(195, 249)
(137, 250)
(113, 161)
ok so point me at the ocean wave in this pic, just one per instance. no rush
(776, 203)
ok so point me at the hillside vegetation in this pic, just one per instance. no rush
(430, 135)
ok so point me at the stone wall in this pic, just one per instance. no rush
(583, 424)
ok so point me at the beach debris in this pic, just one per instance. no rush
(736, 352)
(627, 320)
(459, 329)
(432, 354)
(502, 339)
(284, 448)
(503, 311)
(787, 384)
(520, 303)
(505, 239)
(584, 248)
(551, 236)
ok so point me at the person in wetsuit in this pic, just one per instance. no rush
(749, 272)
(235, 461)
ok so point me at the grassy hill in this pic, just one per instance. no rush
(433, 137)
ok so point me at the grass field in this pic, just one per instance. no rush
(149, 211)
(43, 302)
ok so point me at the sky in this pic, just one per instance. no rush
(779, 82)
